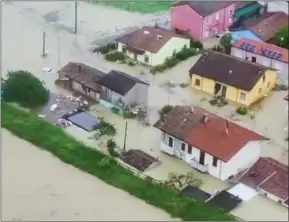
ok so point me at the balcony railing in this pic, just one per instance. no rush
(195, 164)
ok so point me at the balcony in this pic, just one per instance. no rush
(167, 149)
(195, 164)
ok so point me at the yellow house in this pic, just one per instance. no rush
(236, 80)
(150, 45)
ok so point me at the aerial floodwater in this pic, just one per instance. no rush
(37, 186)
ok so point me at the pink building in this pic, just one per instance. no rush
(203, 19)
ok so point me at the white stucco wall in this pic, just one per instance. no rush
(245, 158)
(281, 66)
(174, 44)
(270, 195)
(248, 155)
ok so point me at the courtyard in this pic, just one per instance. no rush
(26, 21)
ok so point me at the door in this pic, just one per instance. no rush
(135, 56)
(224, 91)
(217, 88)
(202, 158)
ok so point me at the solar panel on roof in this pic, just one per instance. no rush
(279, 55)
(273, 55)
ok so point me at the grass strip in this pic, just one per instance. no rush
(54, 140)
(141, 6)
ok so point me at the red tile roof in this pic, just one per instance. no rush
(210, 137)
(267, 28)
(148, 38)
(270, 175)
(263, 45)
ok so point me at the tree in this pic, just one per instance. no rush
(281, 38)
(25, 89)
(180, 181)
(225, 41)
(165, 110)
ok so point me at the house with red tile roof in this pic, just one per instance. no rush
(209, 143)
(269, 177)
(263, 53)
(151, 45)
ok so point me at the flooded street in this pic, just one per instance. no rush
(37, 186)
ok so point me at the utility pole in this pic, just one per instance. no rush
(43, 45)
(125, 134)
(58, 50)
(75, 18)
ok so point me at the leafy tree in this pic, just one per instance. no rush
(225, 41)
(282, 37)
(165, 110)
(25, 89)
(180, 181)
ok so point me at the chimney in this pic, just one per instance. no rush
(159, 37)
(205, 118)
(227, 127)
(192, 109)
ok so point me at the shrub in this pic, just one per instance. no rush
(111, 145)
(115, 56)
(106, 128)
(165, 110)
(25, 89)
(54, 140)
(171, 62)
(185, 53)
(242, 110)
(196, 44)
(127, 114)
(104, 162)
(131, 63)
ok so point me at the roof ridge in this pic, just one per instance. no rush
(241, 60)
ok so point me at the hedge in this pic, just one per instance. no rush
(54, 140)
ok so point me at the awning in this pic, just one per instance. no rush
(243, 192)
(248, 9)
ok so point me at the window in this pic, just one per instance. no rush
(268, 84)
(215, 161)
(264, 78)
(197, 82)
(247, 58)
(254, 59)
(146, 59)
(242, 96)
(260, 90)
(231, 12)
(190, 149)
(217, 16)
(171, 141)
(183, 147)
(208, 20)
(230, 20)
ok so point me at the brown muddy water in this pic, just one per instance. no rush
(37, 186)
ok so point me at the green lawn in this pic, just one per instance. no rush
(54, 140)
(142, 7)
